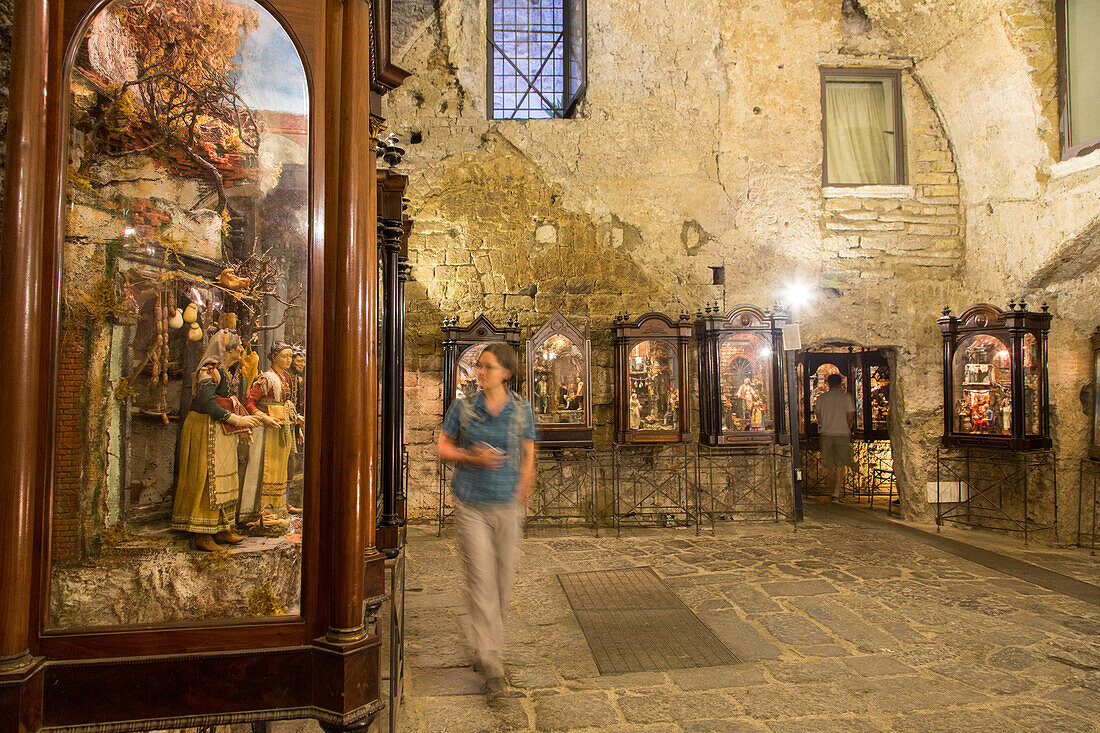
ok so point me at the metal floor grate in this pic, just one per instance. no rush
(633, 622)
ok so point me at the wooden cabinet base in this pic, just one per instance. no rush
(336, 684)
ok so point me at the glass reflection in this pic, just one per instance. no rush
(1096, 398)
(982, 376)
(654, 401)
(559, 387)
(1033, 386)
(466, 372)
(880, 397)
(819, 386)
(745, 380)
(179, 416)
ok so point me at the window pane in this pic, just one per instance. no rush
(1083, 25)
(745, 381)
(527, 46)
(982, 372)
(860, 138)
(559, 382)
(654, 403)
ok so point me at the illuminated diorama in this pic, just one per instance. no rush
(995, 377)
(740, 376)
(180, 389)
(651, 379)
(558, 379)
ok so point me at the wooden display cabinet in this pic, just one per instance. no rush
(558, 385)
(462, 347)
(741, 376)
(651, 383)
(79, 662)
(866, 374)
(995, 377)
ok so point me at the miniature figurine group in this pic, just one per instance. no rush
(211, 500)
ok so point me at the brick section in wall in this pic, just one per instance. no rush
(68, 452)
(879, 232)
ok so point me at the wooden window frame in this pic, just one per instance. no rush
(900, 147)
(1068, 151)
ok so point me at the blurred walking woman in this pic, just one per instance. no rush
(490, 438)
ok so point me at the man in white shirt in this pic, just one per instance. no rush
(836, 414)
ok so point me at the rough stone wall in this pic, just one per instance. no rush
(700, 146)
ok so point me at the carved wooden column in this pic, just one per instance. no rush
(351, 272)
(404, 276)
(21, 330)
(391, 187)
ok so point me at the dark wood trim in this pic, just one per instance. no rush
(709, 330)
(900, 143)
(351, 397)
(1064, 101)
(386, 76)
(25, 184)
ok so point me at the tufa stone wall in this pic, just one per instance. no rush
(700, 147)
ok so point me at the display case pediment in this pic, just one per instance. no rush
(982, 315)
(748, 316)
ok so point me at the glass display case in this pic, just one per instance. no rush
(995, 377)
(651, 379)
(558, 379)
(184, 510)
(1094, 370)
(865, 375)
(741, 376)
(462, 347)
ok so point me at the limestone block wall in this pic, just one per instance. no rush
(699, 148)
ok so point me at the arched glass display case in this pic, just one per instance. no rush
(558, 379)
(866, 376)
(651, 379)
(190, 499)
(462, 347)
(740, 376)
(995, 377)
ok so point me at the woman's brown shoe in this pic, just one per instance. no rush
(229, 537)
(205, 543)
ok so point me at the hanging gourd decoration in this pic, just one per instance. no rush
(195, 334)
(176, 321)
(190, 315)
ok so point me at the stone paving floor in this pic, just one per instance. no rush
(842, 627)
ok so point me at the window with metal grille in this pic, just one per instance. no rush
(536, 58)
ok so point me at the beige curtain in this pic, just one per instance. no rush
(857, 123)
(1083, 19)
